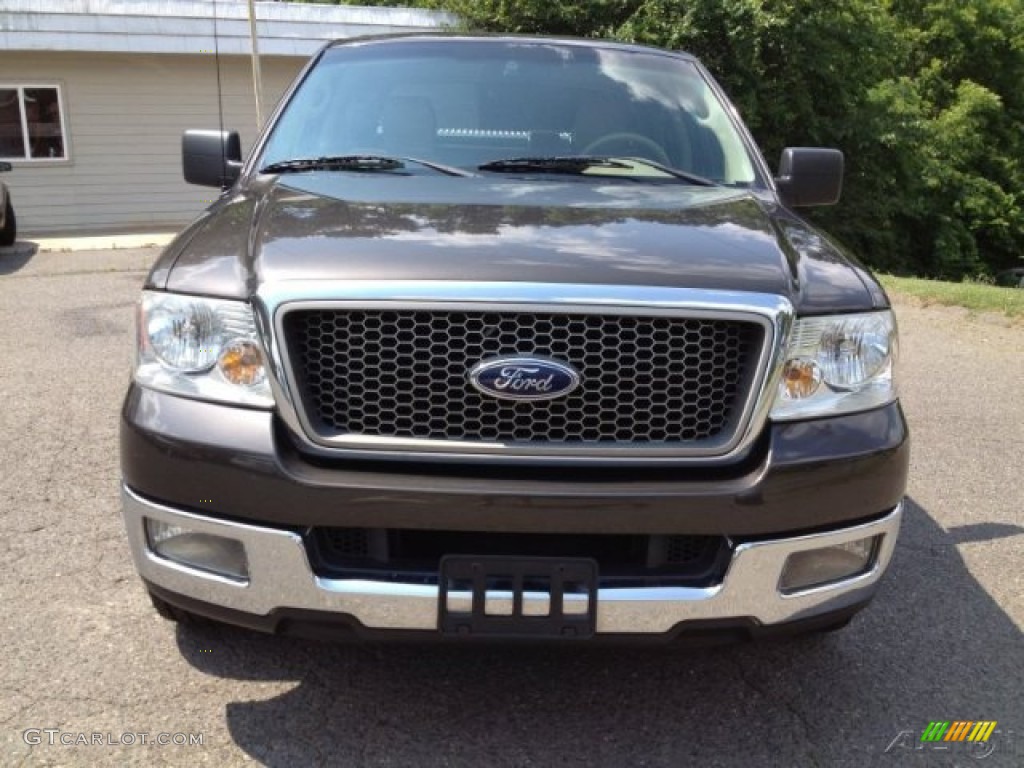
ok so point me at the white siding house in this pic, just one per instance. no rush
(95, 94)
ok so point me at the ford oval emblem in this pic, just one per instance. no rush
(524, 378)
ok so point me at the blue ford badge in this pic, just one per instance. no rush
(524, 378)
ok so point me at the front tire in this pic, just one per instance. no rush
(10, 230)
(835, 626)
(173, 612)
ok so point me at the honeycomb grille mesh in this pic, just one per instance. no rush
(403, 374)
(686, 549)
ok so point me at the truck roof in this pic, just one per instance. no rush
(458, 37)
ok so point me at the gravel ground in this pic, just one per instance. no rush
(84, 652)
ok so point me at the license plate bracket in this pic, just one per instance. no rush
(515, 597)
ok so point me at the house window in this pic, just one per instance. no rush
(31, 123)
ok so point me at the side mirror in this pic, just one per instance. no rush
(5, 167)
(211, 158)
(810, 176)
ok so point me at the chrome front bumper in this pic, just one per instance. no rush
(280, 577)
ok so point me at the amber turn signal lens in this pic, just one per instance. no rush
(800, 378)
(242, 364)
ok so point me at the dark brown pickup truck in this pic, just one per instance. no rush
(511, 338)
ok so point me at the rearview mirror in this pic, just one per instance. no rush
(4, 167)
(810, 176)
(211, 158)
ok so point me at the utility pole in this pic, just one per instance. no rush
(257, 77)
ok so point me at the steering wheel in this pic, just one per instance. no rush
(654, 150)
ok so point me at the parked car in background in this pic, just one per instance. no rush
(8, 224)
(511, 338)
(1013, 278)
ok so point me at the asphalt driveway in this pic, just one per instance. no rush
(84, 653)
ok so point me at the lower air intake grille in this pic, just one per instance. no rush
(397, 554)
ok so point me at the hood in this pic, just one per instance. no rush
(383, 227)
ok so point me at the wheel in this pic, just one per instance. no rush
(173, 612)
(638, 146)
(10, 230)
(833, 627)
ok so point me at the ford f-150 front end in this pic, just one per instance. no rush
(517, 338)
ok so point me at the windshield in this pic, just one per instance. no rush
(467, 103)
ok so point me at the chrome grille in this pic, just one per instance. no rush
(646, 380)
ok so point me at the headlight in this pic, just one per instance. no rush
(202, 348)
(838, 364)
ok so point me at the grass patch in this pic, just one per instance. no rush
(977, 297)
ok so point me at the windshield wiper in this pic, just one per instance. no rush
(579, 164)
(356, 163)
(556, 164)
(335, 163)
